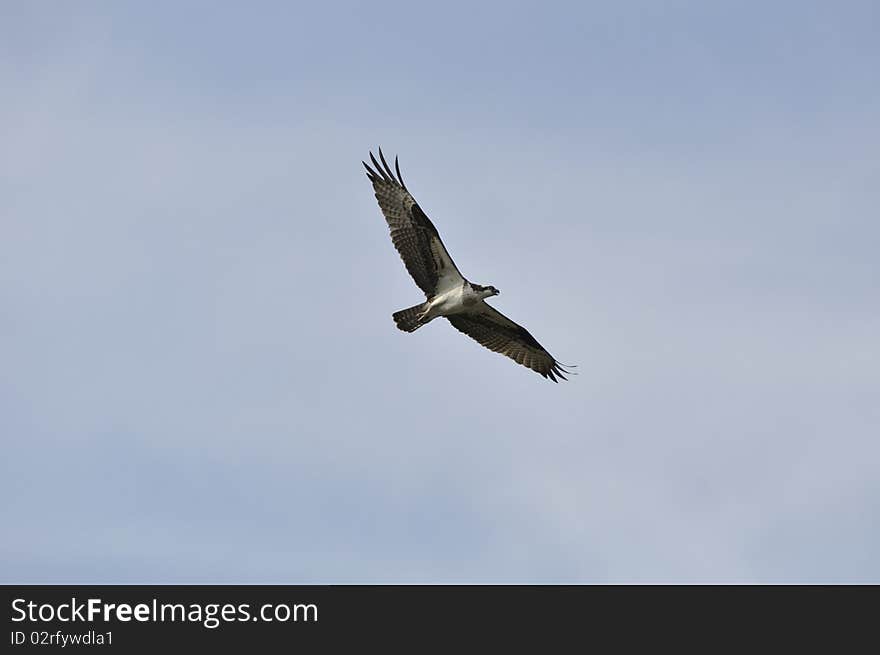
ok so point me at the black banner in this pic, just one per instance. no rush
(130, 618)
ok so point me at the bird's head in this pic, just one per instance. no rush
(486, 292)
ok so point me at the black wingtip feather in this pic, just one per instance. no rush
(561, 370)
(383, 171)
(399, 176)
(386, 166)
(378, 168)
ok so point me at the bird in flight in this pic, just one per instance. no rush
(448, 293)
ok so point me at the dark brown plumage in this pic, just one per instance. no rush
(412, 232)
(498, 333)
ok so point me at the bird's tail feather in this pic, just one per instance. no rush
(407, 319)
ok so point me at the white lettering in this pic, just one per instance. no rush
(76, 610)
(22, 613)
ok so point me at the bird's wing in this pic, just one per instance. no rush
(412, 232)
(496, 332)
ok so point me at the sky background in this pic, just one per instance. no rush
(201, 380)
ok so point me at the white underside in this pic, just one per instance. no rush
(453, 301)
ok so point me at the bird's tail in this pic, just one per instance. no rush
(408, 319)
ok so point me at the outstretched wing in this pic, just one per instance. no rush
(496, 332)
(412, 232)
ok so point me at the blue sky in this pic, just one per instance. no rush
(203, 382)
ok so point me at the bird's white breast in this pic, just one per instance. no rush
(456, 300)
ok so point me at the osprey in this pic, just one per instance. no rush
(448, 293)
